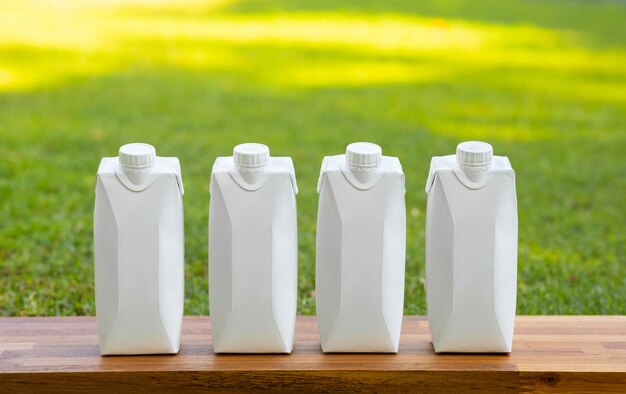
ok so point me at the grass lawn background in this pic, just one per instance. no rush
(543, 82)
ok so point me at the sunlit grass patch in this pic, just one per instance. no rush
(99, 37)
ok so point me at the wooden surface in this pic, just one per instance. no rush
(550, 353)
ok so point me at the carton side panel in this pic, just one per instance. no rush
(505, 270)
(394, 255)
(439, 262)
(220, 263)
(172, 264)
(285, 266)
(328, 262)
(106, 262)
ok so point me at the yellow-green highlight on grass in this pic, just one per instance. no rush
(544, 82)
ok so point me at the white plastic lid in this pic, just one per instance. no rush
(474, 155)
(137, 156)
(363, 155)
(251, 157)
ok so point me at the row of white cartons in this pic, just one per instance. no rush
(471, 251)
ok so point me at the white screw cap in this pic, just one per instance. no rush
(475, 155)
(363, 155)
(251, 157)
(137, 156)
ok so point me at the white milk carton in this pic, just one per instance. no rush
(361, 233)
(471, 250)
(139, 252)
(253, 252)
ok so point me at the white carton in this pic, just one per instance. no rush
(361, 233)
(253, 252)
(139, 252)
(471, 250)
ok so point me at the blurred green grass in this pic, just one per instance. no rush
(543, 82)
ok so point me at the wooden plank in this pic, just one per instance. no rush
(550, 353)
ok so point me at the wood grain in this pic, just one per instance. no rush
(550, 353)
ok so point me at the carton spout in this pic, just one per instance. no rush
(363, 176)
(474, 158)
(475, 175)
(251, 177)
(251, 160)
(363, 158)
(137, 177)
(251, 157)
(137, 161)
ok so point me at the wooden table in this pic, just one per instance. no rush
(550, 353)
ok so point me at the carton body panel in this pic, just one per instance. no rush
(471, 259)
(360, 259)
(139, 264)
(253, 260)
